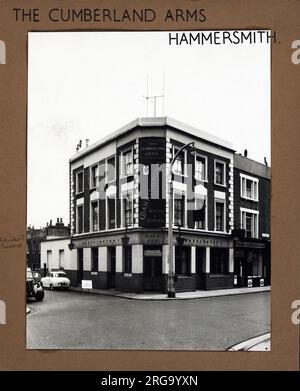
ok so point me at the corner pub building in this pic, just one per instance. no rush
(120, 238)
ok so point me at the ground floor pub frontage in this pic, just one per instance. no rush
(138, 262)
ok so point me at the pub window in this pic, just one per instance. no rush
(127, 264)
(79, 182)
(249, 187)
(178, 166)
(182, 261)
(179, 209)
(127, 163)
(94, 176)
(249, 222)
(111, 212)
(220, 216)
(219, 261)
(219, 173)
(200, 215)
(79, 225)
(95, 259)
(111, 169)
(94, 216)
(200, 168)
(127, 210)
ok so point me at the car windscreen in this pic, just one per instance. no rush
(60, 275)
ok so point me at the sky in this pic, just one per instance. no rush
(85, 85)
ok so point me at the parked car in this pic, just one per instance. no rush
(261, 343)
(56, 279)
(37, 276)
(34, 288)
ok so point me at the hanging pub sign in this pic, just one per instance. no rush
(152, 200)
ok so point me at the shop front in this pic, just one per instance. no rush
(251, 265)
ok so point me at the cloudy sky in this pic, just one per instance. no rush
(86, 85)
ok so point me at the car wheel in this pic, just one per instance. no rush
(51, 287)
(39, 296)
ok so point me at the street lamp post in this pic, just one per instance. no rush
(171, 282)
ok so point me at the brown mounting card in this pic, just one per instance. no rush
(278, 16)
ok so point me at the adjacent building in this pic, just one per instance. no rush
(35, 236)
(119, 212)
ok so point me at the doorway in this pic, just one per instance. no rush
(79, 266)
(152, 271)
(111, 275)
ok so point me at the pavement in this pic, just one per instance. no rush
(198, 294)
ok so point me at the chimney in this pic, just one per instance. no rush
(87, 141)
(245, 153)
(57, 220)
(79, 145)
(61, 220)
(50, 222)
(265, 161)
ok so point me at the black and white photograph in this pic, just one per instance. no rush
(149, 190)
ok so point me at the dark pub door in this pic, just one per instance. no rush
(111, 278)
(80, 266)
(153, 278)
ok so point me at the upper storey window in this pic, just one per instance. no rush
(219, 173)
(127, 162)
(79, 182)
(249, 187)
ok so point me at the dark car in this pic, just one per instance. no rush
(34, 288)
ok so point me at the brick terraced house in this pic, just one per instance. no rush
(119, 211)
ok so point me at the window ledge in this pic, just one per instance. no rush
(249, 199)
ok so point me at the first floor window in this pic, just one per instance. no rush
(127, 260)
(249, 187)
(200, 213)
(127, 210)
(179, 210)
(111, 211)
(79, 229)
(220, 214)
(94, 215)
(95, 259)
(182, 261)
(249, 222)
(219, 260)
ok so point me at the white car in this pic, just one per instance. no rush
(56, 279)
(261, 343)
